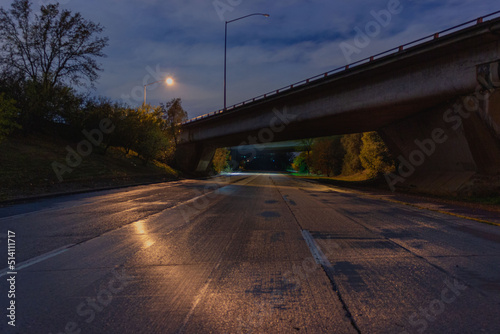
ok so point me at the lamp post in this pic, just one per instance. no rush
(225, 50)
(169, 81)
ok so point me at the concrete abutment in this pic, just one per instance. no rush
(195, 157)
(451, 149)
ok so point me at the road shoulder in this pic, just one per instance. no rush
(483, 213)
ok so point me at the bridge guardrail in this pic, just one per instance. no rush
(347, 67)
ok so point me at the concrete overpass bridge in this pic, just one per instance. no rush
(434, 101)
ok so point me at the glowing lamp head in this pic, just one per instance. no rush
(169, 81)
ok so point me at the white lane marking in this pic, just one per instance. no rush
(201, 294)
(63, 249)
(37, 259)
(198, 298)
(316, 252)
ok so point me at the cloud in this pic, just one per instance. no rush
(185, 38)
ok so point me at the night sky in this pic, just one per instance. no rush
(151, 39)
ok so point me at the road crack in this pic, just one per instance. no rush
(321, 259)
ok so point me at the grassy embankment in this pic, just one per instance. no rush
(26, 168)
(362, 180)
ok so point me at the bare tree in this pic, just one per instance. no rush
(51, 47)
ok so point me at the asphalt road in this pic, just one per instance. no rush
(252, 253)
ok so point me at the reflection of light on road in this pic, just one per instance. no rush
(144, 235)
(250, 174)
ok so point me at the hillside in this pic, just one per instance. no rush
(26, 168)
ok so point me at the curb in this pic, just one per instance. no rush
(77, 192)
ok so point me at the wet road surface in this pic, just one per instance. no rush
(247, 253)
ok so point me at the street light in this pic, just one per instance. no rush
(169, 81)
(225, 49)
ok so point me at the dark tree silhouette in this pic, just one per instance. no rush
(51, 47)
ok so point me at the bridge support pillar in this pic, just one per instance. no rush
(194, 158)
(452, 149)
